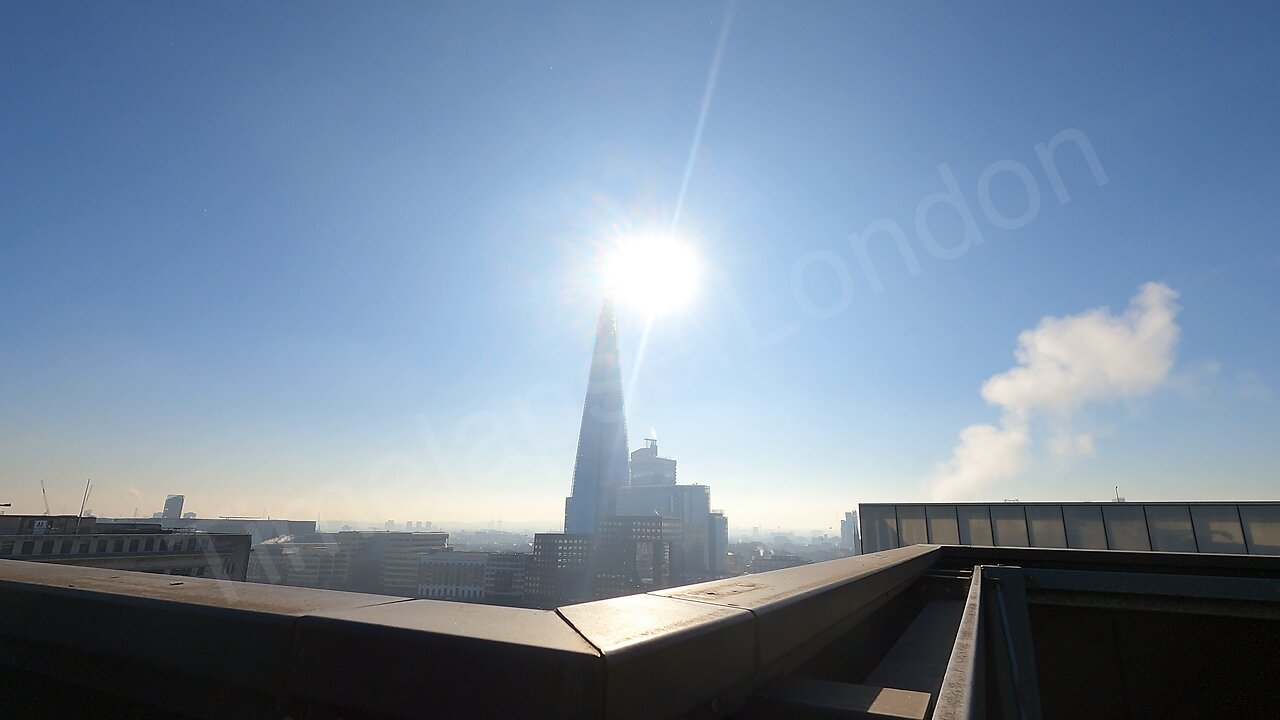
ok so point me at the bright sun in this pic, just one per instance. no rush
(655, 274)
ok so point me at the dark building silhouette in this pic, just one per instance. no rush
(559, 571)
(633, 554)
(691, 504)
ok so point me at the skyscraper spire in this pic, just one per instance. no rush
(601, 464)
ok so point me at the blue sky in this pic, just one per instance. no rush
(340, 260)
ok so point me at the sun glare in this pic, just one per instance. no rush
(654, 274)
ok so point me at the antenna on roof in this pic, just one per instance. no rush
(45, 495)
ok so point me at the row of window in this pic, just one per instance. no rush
(100, 546)
(449, 593)
(1122, 526)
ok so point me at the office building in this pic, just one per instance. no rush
(718, 543)
(505, 575)
(259, 529)
(493, 578)
(647, 468)
(691, 504)
(560, 569)
(633, 554)
(777, 561)
(173, 507)
(359, 561)
(600, 467)
(453, 575)
(850, 537)
(299, 563)
(141, 547)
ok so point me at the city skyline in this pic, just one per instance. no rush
(338, 265)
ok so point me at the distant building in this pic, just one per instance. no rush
(173, 506)
(300, 563)
(601, 464)
(259, 529)
(559, 571)
(453, 575)
(505, 578)
(358, 561)
(718, 543)
(850, 538)
(647, 468)
(1207, 527)
(765, 563)
(141, 547)
(691, 504)
(490, 577)
(633, 554)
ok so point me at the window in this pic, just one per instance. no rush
(1084, 527)
(133, 545)
(28, 547)
(1044, 523)
(943, 528)
(149, 544)
(975, 525)
(912, 529)
(880, 528)
(46, 547)
(1126, 527)
(1170, 528)
(6, 548)
(1262, 528)
(1009, 523)
(1217, 528)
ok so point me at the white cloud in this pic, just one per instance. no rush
(1064, 365)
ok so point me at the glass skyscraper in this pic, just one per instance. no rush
(601, 465)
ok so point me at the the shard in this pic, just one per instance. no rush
(601, 465)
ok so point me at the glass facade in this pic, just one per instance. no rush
(1084, 527)
(912, 529)
(1126, 527)
(975, 525)
(1170, 528)
(943, 529)
(879, 528)
(1166, 527)
(1009, 525)
(1045, 526)
(1218, 528)
(1261, 528)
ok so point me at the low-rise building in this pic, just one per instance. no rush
(453, 575)
(765, 563)
(374, 561)
(141, 547)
